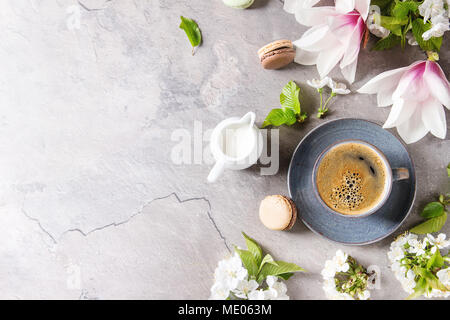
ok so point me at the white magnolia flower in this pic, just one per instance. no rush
(258, 295)
(365, 295)
(439, 25)
(230, 272)
(431, 8)
(318, 84)
(444, 277)
(374, 26)
(416, 93)
(340, 261)
(439, 241)
(244, 288)
(219, 291)
(338, 87)
(330, 269)
(334, 36)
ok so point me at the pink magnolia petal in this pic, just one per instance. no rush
(362, 6)
(401, 111)
(305, 57)
(383, 81)
(412, 130)
(343, 26)
(314, 16)
(437, 83)
(328, 59)
(349, 71)
(409, 78)
(433, 117)
(345, 6)
(316, 38)
(354, 44)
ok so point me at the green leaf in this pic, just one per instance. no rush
(393, 24)
(277, 117)
(419, 289)
(289, 97)
(248, 261)
(418, 28)
(436, 260)
(382, 4)
(448, 170)
(431, 225)
(192, 31)
(286, 276)
(432, 209)
(387, 43)
(254, 248)
(402, 9)
(431, 279)
(279, 269)
(267, 259)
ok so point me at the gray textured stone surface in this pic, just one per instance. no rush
(91, 204)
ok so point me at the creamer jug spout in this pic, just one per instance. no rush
(248, 118)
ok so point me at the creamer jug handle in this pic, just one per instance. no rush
(216, 171)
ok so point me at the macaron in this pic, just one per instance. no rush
(238, 4)
(278, 212)
(277, 54)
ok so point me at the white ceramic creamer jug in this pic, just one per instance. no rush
(236, 143)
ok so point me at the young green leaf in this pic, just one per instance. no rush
(254, 248)
(432, 209)
(279, 269)
(448, 170)
(431, 279)
(192, 31)
(248, 261)
(436, 261)
(267, 259)
(286, 276)
(402, 8)
(418, 28)
(431, 225)
(289, 97)
(382, 4)
(387, 43)
(394, 24)
(419, 289)
(277, 117)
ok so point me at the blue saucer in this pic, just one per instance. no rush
(350, 230)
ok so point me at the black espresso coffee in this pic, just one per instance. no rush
(351, 178)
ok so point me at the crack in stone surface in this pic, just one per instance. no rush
(116, 224)
(85, 7)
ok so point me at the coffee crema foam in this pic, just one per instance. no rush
(351, 178)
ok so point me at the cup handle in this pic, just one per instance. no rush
(400, 174)
(216, 171)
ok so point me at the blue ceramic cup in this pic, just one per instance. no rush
(391, 176)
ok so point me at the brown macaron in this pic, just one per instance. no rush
(278, 212)
(277, 54)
